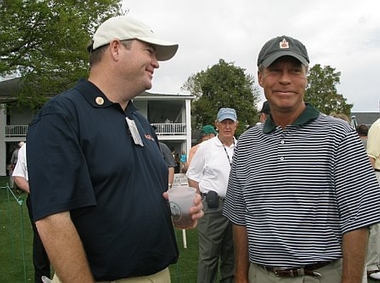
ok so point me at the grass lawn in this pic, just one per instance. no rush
(15, 237)
(16, 243)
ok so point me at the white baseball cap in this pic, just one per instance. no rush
(126, 27)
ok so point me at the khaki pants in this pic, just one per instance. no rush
(162, 276)
(331, 273)
(373, 252)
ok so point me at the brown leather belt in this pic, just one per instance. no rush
(307, 270)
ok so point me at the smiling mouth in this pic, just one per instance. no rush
(284, 92)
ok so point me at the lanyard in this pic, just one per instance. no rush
(228, 156)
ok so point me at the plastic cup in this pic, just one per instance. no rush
(181, 199)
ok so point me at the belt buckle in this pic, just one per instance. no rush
(296, 272)
(292, 272)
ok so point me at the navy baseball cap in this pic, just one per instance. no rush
(282, 46)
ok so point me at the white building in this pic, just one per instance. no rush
(170, 113)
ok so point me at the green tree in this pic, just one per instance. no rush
(44, 42)
(321, 91)
(223, 85)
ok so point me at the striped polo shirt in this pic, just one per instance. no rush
(299, 189)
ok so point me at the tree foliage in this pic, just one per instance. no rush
(44, 42)
(321, 91)
(223, 85)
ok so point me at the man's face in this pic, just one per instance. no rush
(284, 83)
(226, 128)
(138, 64)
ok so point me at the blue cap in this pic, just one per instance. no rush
(226, 113)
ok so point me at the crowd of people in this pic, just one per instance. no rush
(295, 198)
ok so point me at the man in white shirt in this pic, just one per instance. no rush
(208, 172)
(40, 259)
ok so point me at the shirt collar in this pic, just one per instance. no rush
(96, 97)
(219, 143)
(308, 115)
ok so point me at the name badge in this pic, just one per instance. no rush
(134, 132)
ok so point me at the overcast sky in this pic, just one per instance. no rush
(343, 34)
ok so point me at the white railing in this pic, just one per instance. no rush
(162, 129)
(16, 131)
(170, 128)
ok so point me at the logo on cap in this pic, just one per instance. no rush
(284, 44)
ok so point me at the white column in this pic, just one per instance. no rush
(188, 124)
(3, 148)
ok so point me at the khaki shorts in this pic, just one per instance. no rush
(162, 276)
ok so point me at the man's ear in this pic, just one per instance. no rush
(114, 48)
(259, 78)
(216, 123)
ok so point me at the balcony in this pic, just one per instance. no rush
(16, 131)
(174, 129)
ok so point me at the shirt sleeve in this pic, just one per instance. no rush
(20, 169)
(58, 172)
(168, 156)
(356, 186)
(373, 147)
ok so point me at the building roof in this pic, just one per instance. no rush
(9, 89)
(366, 118)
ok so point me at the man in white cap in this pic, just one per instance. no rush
(97, 177)
(208, 172)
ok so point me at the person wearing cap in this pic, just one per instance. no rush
(97, 178)
(207, 132)
(264, 112)
(41, 261)
(301, 194)
(208, 172)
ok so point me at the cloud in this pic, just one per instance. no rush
(344, 35)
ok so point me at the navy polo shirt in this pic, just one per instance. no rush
(82, 158)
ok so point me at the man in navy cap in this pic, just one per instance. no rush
(301, 193)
